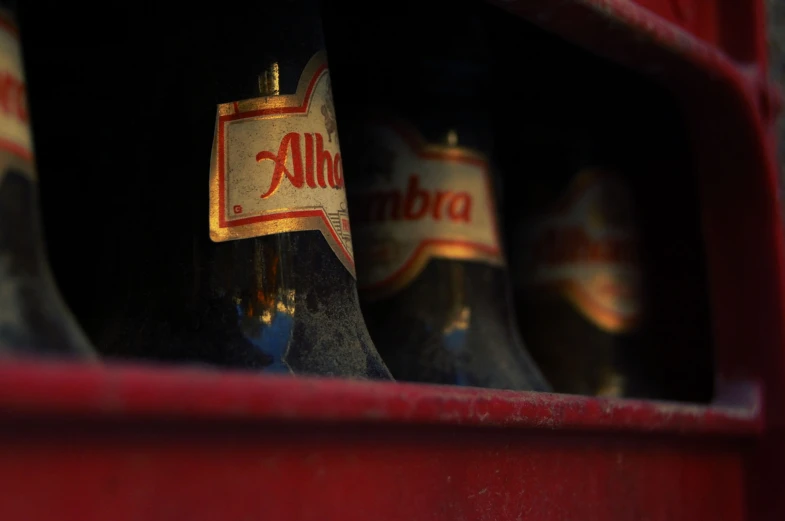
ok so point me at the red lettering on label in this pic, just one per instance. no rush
(555, 247)
(338, 170)
(324, 158)
(414, 204)
(291, 146)
(309, 161)
(437, 204)
(415, 198)
(460, 207)
(290, 142)
(13, 97)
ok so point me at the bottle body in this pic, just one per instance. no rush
(34, 320)
(267, 281)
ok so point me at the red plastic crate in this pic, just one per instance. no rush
(147, 443)
(155, 444)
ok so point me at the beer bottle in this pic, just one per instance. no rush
(575, 257)
(602, 218)
(431, 267)
(254, 269)
(594, 267)
(34, 319)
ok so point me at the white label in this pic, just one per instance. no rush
(277, 167)
(419, 202)
(587, 249)
(15, 136)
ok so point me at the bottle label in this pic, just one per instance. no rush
(587, 250)
(417, 201)
(276, 166)
(15, 135)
